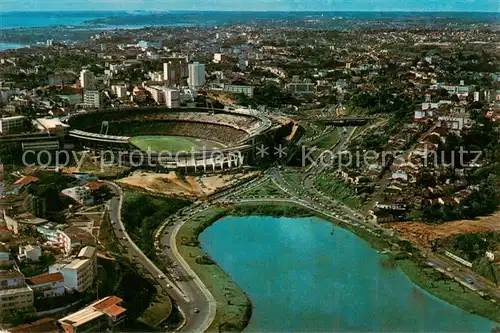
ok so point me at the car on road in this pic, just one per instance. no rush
(196, 310)
(161, 277)
(469, 280)
(449, 269)
(169, 286)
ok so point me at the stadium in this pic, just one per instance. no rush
(193, 139)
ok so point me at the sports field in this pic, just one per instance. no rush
(173, 143)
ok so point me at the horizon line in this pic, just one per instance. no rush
(153, 11)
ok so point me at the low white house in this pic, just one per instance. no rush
(81, 194)
(30, 253)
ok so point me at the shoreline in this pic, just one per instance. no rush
(410, 266)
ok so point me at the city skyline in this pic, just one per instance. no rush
(257, 5)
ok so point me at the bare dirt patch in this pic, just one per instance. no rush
(188, 186)
(421, 233)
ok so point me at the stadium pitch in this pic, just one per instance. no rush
(173, 143)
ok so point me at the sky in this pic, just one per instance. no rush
(256, 5)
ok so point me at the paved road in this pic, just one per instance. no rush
(461, 272)
(186, 297)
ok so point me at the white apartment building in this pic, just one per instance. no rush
(460, 90)
(119, 90)
(239, 89)
(172, 98)
(156, 76)
(30, 253)
(196, 75)
(87, 79)
(80, 272)
(165, 96)
(157, 93)
(9, 123)
(92, 98)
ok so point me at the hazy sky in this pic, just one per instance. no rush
(286, 5)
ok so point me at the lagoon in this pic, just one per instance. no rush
(304, 274)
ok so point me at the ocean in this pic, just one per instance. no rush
(9, 20)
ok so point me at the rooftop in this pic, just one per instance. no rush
(87, 252)
(10, 274)
(45, 325)
(47, 278)
(26, 180)
(81, 317)
(108, 305)
(77, 263)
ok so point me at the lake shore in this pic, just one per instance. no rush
(234, 307)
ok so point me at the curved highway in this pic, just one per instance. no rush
(191, 302)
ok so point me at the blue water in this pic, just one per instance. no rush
(301, 277)
(45, 19)
(124, 19)
(10, 46)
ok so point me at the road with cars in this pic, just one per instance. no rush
(187, 296)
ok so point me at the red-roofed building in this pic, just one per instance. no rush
(44, 325)
(106, 302)
(98, 316)
(27, 180)
(5, 234)
(47, 285)
(94, 186)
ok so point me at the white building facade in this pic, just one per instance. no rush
(196, 75)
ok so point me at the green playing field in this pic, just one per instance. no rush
(173, 143)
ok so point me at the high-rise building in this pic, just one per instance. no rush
(175, 70)
(87, 79)
(92, 98)
(196, 75)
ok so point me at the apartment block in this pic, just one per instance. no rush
(14, 293)
(79, 272)
(9, 123)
